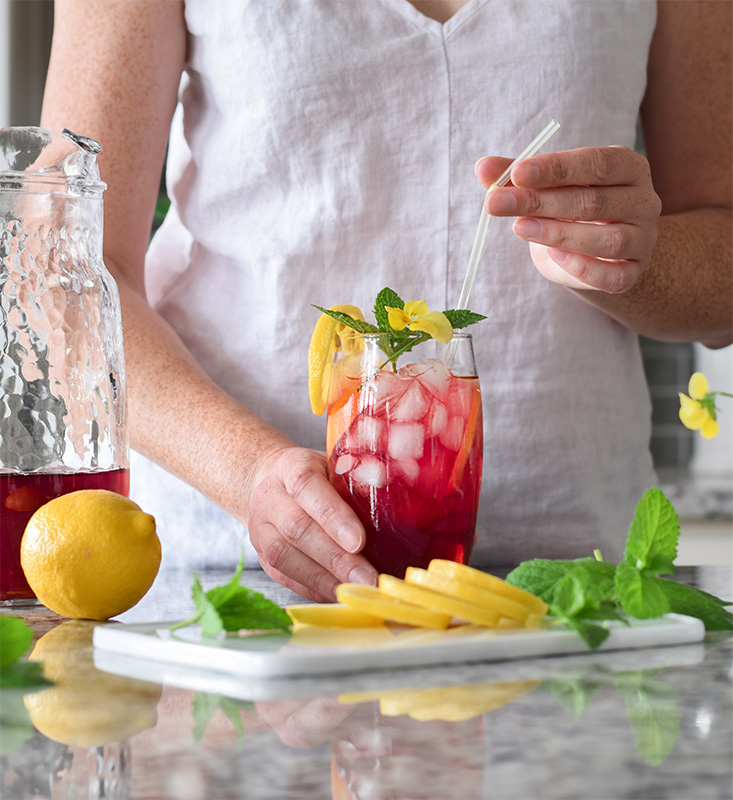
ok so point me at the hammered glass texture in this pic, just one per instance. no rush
(61, 358)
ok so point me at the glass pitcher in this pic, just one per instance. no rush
(62, 372)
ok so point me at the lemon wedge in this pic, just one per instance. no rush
(463, 573)
(332, 615)
(323, 346)
(373, 601)
(426, 598)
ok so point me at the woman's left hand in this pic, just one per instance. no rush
(590, 215)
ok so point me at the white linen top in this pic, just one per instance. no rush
(323, 150)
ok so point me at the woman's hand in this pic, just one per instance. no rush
(590, 215)
(306, 536)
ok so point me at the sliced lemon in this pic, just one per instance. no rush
(426, 598)
(323, 346)
(461, 572)
(372, 601)
(469, 592)
(331, 615)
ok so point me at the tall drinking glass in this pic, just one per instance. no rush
(405, 448)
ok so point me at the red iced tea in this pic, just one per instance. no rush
(406, 452)
(21, 495)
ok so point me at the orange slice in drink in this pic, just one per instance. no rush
(323, 346)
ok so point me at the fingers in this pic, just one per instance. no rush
(303, 531)
(620, 241)
(489, 168)
(584, 272)
(301, 723)
(591, 166)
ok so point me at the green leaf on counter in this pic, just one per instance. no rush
(573, 694)
(15, 639)
(22, 675)
(652, 540)
(639, 593)
(15, 723)
(693, 602)
(232, 607)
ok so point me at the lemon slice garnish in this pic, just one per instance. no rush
(372, 601)
(323, 346)
(461, 572)
(401, 590)
(469, 592)
(332, 615)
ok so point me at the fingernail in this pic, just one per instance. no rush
(525, 175)
(501, 203)
(349, 538)
(363, 575)
(527, 228)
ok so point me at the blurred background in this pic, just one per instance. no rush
(696, 474)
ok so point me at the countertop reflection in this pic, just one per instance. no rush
(635, 724)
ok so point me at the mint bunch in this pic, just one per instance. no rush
(395, 342)
(586, 593)
(232, 607)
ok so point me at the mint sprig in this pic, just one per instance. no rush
(585, 594)
(232, 607)
(395, 343)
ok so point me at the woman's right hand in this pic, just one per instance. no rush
(308, 539)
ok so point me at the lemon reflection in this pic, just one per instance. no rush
(86, 707)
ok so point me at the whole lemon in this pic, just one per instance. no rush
(90, 554)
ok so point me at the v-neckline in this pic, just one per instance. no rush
(430, 25)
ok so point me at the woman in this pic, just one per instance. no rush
(320, 151)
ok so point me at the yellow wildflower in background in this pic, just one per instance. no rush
(417, 317)
(698, 411)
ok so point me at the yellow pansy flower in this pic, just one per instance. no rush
(417, 317)
(697, 411)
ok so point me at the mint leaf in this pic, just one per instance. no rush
(594, 635)
(15, 638)
(541, 577)
(207, 614)
(204, 706)
(639, 593)
(220, 594)
(250, 609)
(684, 599)
(357, 324)
(462, 317)
(573, 695)
(387, 297)
(653, 533)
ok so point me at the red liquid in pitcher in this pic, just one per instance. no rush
(409, 464)
(20, 496)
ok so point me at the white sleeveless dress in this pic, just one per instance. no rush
(322, 150)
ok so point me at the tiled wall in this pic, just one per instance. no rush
(668, 368)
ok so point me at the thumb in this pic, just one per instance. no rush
(489, 168)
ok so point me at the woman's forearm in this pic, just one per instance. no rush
(686, 292)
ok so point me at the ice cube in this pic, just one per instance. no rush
(365, 435)
(452, 435)
(437, 419)
(436, 378)
(412, 405)
(408, 468)
(412, 370)
(459, 398)
(386, 388)
(344, 463)
(370, 472)
(405, 440)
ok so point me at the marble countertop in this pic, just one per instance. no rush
(647, 723)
